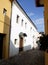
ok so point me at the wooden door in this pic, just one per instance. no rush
(1, 45)
(21, 45)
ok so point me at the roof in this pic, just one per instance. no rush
(26, 14)
(39, 3)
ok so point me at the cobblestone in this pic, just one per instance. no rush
(31, 57)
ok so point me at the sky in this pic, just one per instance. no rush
(35, 13)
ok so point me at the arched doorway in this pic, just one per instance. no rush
(21, 39)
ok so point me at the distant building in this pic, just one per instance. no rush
(5, 11)
(24, 33)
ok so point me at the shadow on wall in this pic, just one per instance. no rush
(14, 50)
(6, 23)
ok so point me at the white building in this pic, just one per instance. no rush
(23, 31)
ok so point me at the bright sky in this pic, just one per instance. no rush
(35, 13)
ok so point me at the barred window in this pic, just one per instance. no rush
(15, 41)
(22, 22)
(17, 19)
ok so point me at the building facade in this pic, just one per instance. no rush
(24, 33)
(5, 11)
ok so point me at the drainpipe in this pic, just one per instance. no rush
(10, 29)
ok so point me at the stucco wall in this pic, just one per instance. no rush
(46, 26)
(46, 15)
(3, 19)
(16, 28)
(5, 25)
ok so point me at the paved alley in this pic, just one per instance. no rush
(31, 57)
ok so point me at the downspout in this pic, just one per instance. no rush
(10, 30)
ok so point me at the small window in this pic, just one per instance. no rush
(33, 36)
(4, 11)
(33, 29)
(25, 25)
(25, 40)
(22, 22)
(30, 28)
(17, 18)
(15, 41)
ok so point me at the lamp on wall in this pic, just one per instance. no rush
(4, 11)
(21, 34)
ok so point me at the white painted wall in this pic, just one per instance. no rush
(16, 28)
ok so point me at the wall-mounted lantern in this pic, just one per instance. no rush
(4, 11)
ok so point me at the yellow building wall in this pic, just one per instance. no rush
(46, 58)
(46, 26)
(46, 15)
(5, 25)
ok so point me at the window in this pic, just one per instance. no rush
(25, 40)
(22, 22)
(33, 29)
(30, 28)
(17, 18)
(4, 11)
(25, 25)
(15, 41)
(33, 36)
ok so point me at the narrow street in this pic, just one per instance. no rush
(31, 57)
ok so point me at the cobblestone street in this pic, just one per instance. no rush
(31, 57)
